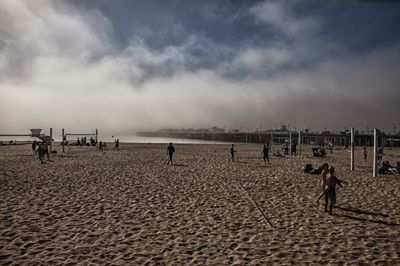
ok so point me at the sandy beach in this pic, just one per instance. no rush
(128, 207)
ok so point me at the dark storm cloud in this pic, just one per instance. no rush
(127, 65)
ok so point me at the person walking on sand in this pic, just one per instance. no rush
(286, 148)
(34, 146)
(330, 189)
(116, 144)
(101, 146)
(380, 154)
(325, 168)
(294, 148)
(365, 153)
(265, 152)
(40, 152)
(170, 152)
(46, 150)
(232, 153)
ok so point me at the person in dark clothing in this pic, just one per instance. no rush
(286, 148)
(365, 153)
(232, 153)
(293, 150)
(34, 146)
(380, 154)
(101, 146)
(170, 152)
(265, 152)
(116, 144)
(41, 152)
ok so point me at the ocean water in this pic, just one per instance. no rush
(126, 139)
(139, 139)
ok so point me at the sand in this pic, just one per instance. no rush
(128, 207)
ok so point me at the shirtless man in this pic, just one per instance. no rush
(323, 180)
(46, 150)
(330, 189)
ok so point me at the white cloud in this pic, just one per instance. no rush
(86, 83)
(278, 15)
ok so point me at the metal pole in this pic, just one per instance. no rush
(272, 138)
(374, 152)
(63, 139)
(299, 142)
(97, 135)
(290, 142)
(352, 149)
(51, 138)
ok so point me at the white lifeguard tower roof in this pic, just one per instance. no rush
(35, 131)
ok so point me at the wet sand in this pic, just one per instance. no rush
(128, 207)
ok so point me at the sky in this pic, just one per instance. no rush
(126, 66)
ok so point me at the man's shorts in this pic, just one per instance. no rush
(330, 195)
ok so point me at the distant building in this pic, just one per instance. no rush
(217, 130)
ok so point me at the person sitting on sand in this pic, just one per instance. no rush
(277, 154)
(265, 152)
(324, 172)
(386, 168)
(170, 152)
(330, 189)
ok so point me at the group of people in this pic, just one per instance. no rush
(386, 168)
(41, 149)
(232, 151)
(103, 145)
(329, 181)
(264, 152)
(266, 149)
(328, 186)
(293, 147)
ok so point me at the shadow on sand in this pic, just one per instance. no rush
(179, 164)
(358, 211)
